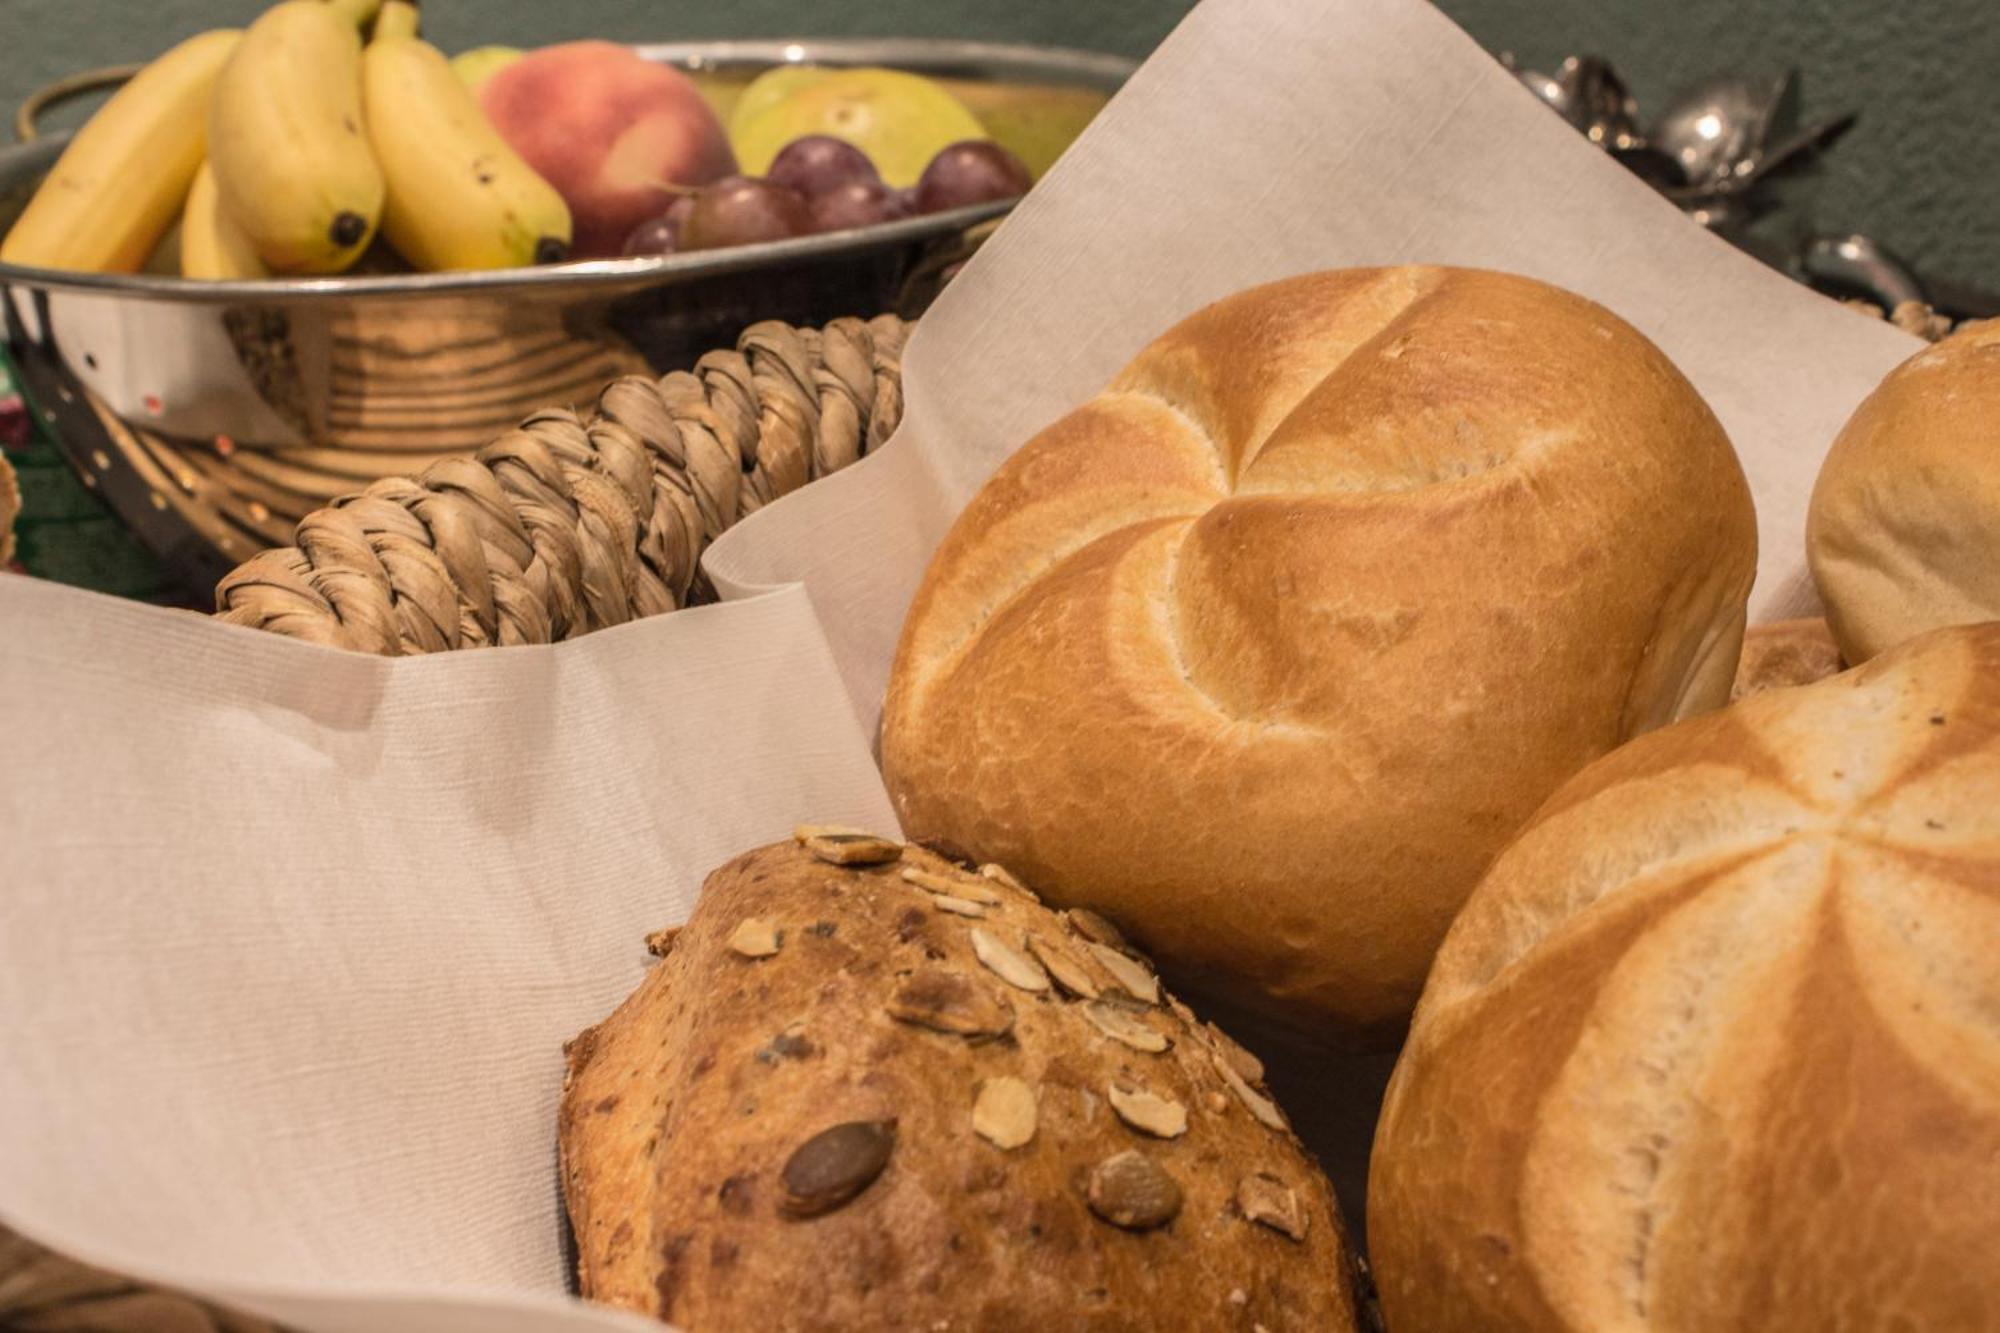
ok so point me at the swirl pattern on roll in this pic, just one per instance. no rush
(1716, 1045)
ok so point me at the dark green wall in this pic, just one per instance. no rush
(1922, 171)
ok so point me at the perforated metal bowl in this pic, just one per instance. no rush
(213, 415)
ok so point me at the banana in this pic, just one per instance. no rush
(212, 245)
(286, 138)
(459, 197)
(119, 184)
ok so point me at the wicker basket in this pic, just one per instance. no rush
(570, 523)
(44, 1292)
(560, 526)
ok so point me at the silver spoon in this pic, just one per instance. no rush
(1587, 92)
(1753, 170)
(1806, 142)
(1717, 123)
(1861, 265)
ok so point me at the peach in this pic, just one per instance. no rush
(609, 129)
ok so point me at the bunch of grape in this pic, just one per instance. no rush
(820, 183)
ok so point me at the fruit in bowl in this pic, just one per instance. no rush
(818, 163)
(856, 203)
(611, 130)
(365, 149)
(661, 235)
(975, 171)
(900, 120)
(475, 67)
(819, 184)
(743, 210)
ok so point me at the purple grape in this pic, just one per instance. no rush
(971, 171)
(818, 163)
(654, 236)
(661, 235)
(855, 204)
(743, 210)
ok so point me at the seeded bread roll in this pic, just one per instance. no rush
(896, 1094)
(10, 506)
(1903, 534)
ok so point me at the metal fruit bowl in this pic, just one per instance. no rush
(212, 415)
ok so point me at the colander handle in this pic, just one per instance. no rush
(65, 89)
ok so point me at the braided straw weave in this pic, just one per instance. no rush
(43, 1292)
(568, 524)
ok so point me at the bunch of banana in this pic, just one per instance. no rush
(119, 184)
(282, 148)
(285, 136)
(213, 246)
(459, 196)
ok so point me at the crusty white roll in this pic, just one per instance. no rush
(10, 507)
(1903, 534)
(1716, 1044)
(1267, 649)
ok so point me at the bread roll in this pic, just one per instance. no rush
(1716, 1045)
(1267, 649)
(907, 1096)
(1785, 653)
(1903, 533)
(10, 508)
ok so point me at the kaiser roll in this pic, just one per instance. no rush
(868, 1089)
(10, 507)
(1716, 1044)
(1267, 649)
(1904, 529)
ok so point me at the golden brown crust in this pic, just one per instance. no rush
(1268, 648)
(10, 508)
(1903, 534)
(1786, 653)
(685, 1110)
(1714, 1043)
